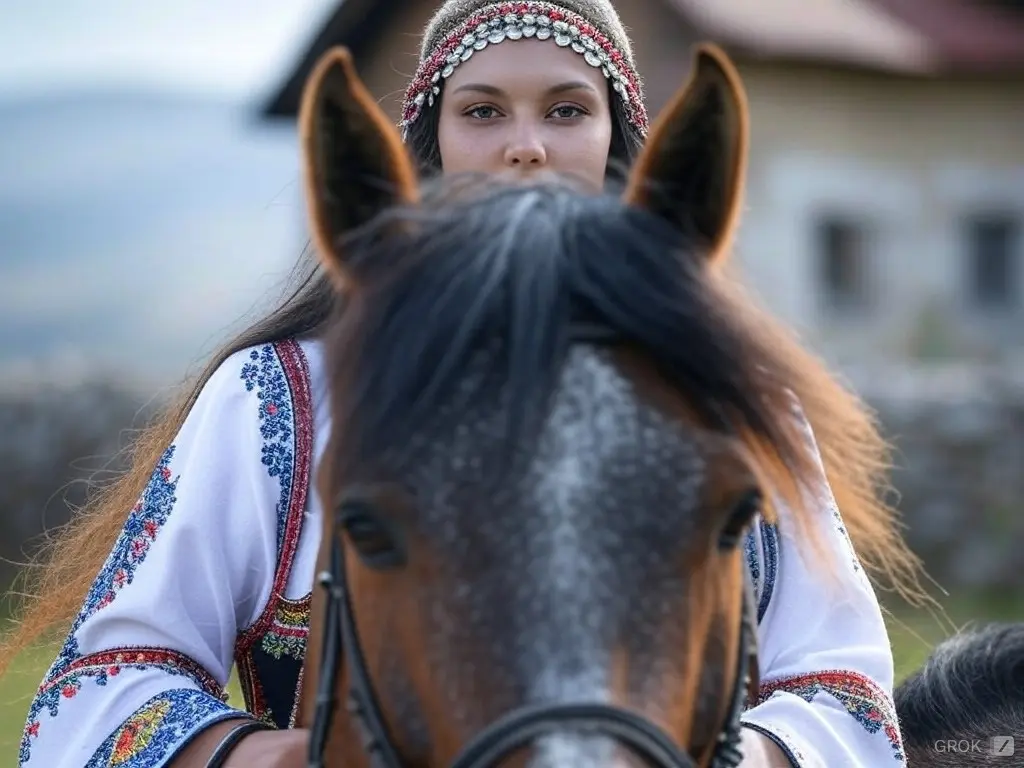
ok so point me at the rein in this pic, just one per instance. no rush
(520, 726)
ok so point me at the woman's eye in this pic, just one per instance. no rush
(567, 112)
(483, 112)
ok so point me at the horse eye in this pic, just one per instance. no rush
(741, 515)
(375, 540)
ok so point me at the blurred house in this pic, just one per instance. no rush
(885, 209)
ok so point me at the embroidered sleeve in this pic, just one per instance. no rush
(762, 554)
(144, 666)
(826, 664)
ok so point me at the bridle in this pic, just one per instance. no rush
(524, 724)
(520, 726)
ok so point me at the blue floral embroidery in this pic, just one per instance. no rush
(770, 546)
(140, 530)
(768, 557)
(267, 377)
(753, 560)
(278, 375)
(841, 526)
(159, 728)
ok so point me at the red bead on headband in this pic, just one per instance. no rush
(496, 23)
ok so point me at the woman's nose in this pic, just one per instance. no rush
(525, 152)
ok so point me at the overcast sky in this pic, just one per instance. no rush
(134, 229)
(233, 48)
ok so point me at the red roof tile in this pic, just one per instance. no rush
(968, 36)
(922, 36)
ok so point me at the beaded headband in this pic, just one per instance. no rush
(496, 23)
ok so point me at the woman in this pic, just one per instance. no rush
(215, 563)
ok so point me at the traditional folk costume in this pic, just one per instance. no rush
(215, 564)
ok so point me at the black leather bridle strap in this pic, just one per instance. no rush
(523, 725)
(727, 752)
(325, 701)
(341, 640)
(330, 656)
(642, 736)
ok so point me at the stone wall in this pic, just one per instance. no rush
(959, 438)
(959, 435)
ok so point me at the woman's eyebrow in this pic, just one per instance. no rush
(491, 90)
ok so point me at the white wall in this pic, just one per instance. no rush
(913, 158)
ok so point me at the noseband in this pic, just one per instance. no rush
(521, 726)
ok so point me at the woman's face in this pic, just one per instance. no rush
(525, 107)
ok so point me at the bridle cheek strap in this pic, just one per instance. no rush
(340, 639)
(520, 726)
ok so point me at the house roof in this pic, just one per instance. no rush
(974, 36)
(918, 37)
(924, 37)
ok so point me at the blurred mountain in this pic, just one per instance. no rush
(136, 228)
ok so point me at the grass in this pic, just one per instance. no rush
(18, 686)
(913, 634)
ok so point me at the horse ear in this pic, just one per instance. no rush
(692, 169)
(354, 160)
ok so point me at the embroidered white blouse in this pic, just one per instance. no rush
(182, 598)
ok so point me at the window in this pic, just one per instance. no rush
(842, 263)
(1014, 6)
(993, 278)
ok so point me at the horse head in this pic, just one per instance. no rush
(552, 425)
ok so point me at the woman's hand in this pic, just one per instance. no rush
(261, 749)
(271, 749)
(761, 752)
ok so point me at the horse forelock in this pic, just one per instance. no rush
(511, 267)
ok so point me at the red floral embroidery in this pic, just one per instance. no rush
(138, 732)
(861, 696)
(109, 664)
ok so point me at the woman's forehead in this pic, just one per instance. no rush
(526, 65)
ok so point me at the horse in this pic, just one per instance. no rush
(964, 705)
(553, 423)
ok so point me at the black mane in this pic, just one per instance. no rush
(970, 688)
(518, 266)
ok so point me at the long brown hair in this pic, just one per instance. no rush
(855, 455)
(58, 579)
